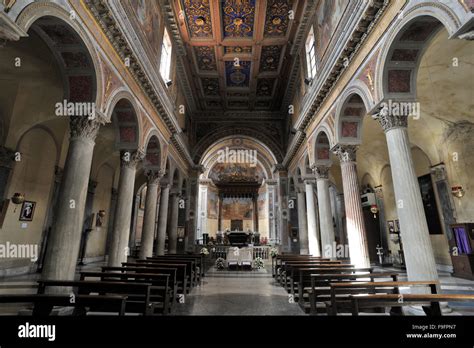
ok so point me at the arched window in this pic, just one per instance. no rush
(165, 64)
(311, 54)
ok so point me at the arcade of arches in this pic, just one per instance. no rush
(132, 129)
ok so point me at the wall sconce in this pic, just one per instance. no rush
(374, 210)
(457, 191)
(18, 198)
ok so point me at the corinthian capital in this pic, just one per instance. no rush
(154, 176)
(346, 153)
(131, 158)
(86, 127)
(389, 120)
(321, 172)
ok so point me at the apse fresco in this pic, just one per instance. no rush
(237, 208)
(329, 15)
(235, 172)
(147, 16)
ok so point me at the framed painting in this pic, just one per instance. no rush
(27, 211)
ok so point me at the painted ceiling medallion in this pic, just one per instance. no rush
(238, 17)
(270, 58)
(198, 17)
(238, 76)
(277, 17)
(210, 86)
(265, 87)
(238, 50)
(206, 58)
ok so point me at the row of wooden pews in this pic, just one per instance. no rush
(145, 287)
(321, 285)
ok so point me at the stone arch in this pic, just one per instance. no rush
(350, 115)
(80, 67)
(152, 158)
(127, 124)
(265, 156)
(225, 132)
(49, 133)
(398, 63)
(322, 147)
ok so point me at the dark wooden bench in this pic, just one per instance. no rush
(172, 272)
(192, 269)
(340, 292)
(138, 294)
(200, 261)
(285, 269)
(320, 284)
(300, 277)
(293, 272)
(429, 301)
(43, 304)
(162, 292)
(280, 259)
(181, 272)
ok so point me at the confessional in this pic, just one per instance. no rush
(462, 250)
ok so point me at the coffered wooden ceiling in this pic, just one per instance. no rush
(238, 50)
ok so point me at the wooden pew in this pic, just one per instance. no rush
(190, 267)
(172, 272)
(162, 292)
(285, 268)
(300, 277)
(43, 304)
(429, 301)
(199, 259)
(138, 294)
(320, 284)
(340, 292)
(277, 261)
(181, 269)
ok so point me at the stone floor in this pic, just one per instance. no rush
(239, 293)
(224, 292)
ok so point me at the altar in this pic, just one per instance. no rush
(239, 238)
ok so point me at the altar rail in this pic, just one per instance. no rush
(221, 251)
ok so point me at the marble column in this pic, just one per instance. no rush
(148, 233)
(255, 212)
(119, 248)
(192, 211)
(325, 211)
(173, 226)
(313, 238)
(64, 241)
(354, 216)
(302, 222)
(163, 219)
(279, 205)
(418, 252)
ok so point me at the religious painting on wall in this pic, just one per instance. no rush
(262, 206)
(329, 15)
(212, 204)
(27, 211)
(391, 226)
(237, 208)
